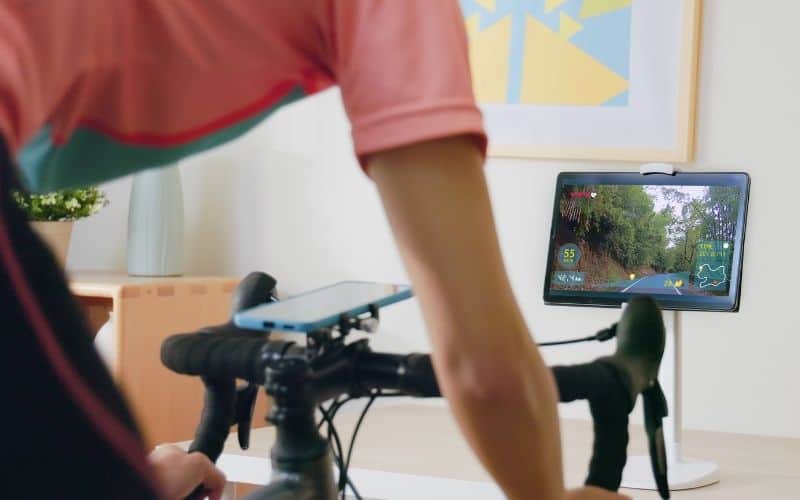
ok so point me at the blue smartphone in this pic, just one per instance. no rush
(321, 308)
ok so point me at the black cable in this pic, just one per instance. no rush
(357, 428)
(339, 404)
(333, 404)
(336, 445)
(336, 442)
(353, 489)
(343, 462)
(333, 436)
(601, 336)
(564, 342)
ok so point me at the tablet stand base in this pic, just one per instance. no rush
(683, 474)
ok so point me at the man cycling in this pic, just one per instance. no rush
(91, 90)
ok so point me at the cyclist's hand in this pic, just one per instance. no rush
(593, 493)
(180, 473)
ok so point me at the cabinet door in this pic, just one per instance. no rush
(167, 405)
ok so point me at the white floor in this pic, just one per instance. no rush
(374, 485)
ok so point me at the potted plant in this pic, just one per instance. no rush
(52, 214)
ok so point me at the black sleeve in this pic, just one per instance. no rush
(66, 431)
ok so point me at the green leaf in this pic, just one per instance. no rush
(68, 204)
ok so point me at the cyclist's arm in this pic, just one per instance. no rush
(499, 389)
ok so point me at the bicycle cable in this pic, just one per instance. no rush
(601, 336)
(372, 399)
(336, 445)
(333, 437)
(343, 461)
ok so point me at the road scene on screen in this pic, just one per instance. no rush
(667, 240)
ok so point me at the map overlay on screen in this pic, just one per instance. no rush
(662, 240)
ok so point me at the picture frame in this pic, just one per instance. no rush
(586, 79)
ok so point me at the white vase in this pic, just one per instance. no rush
(106, 344)
(155, 223)
(57, 235)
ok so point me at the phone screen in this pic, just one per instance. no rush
(321, 308)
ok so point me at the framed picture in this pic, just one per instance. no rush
(586, 79)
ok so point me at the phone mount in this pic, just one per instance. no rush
(318, 341)
(683, 473)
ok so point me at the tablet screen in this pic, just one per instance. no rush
(676, 238)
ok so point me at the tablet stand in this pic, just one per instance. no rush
(683, 473)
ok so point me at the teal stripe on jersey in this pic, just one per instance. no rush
(91, 157)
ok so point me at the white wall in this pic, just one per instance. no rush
(290, 199)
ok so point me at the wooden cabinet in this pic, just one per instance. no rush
(144, 311)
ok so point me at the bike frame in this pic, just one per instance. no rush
(299, 379)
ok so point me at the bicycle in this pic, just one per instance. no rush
(300, 379)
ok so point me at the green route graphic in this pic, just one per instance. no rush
(711, 277)
(712, 264)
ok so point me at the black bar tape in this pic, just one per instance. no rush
(216, 355)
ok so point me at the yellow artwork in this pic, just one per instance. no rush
(556, 72)
(550, 52)
(568, 26)
(486, 4)
(549, 5)
(590, 8)
(572, 79)
(491, 82)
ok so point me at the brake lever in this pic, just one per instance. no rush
(251, 292)
(254, 289)
(655, 409)
(245, 405)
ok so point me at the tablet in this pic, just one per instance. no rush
(677, 238)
